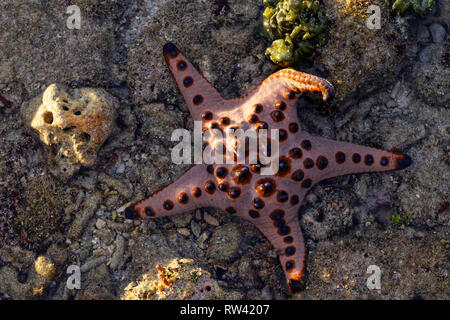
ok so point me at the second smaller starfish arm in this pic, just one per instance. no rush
(194, 189)
(198, 92)
(329, 158)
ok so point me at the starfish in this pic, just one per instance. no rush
(270, 202)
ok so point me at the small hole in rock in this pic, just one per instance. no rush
(64, 169)
(65, 108)
(208, 288)
(68, 129)
(85, 137)
(48, 117)
(77, 113)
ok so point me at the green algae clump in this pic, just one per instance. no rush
(298, 27)
(420, 7)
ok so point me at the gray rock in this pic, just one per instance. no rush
(196, 229)
(423, 35)
(437, 32)
(383, 215)
(225, 243)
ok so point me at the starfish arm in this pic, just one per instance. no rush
(282, 228)
(199, 94)
(295, 80)
(336, 158)
(275, 99)
(196, 188)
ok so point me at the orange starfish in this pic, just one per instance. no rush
(270, 202)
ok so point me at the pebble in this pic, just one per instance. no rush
(100, 224)
(120, 169)
(211, 220)
(202, 239)
(196, 229)
(423, 35)
(437, 32)
(184, 232)
(391, 103)
(117, 259)
(92, 264)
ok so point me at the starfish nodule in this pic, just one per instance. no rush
(270, 202)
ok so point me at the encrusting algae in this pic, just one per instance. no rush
(298, 27)
(420, 7)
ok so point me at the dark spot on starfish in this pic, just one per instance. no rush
(280, 105)
(306, 144)
(210, 187)
(221, 172)
(290, 265)
(223, 186)
(131, 213)
(207, 115)
(288, 239)
(196, 192)
(368, 159)
(298, 175)
(254, 214)
(296, 153)
(282, 134)
(262, 125)
(403, 162)
(257, 108)
(183, 198)
(294, 200)
(169, 48)
(256, 168)
(277, 215)
(230, 210)
(168, 205)
(253, 118)
(340, 157)
(224, 121)
(181, 65)
(188, 81)
(279, 223)
(308, 163)
(322, 162)
(234, 192)
(307, 183)
(210, 168)
(149, 212)
(293, 127)
(258, 203)
(289, 94)
(282, 196)
(277, 116)
(289, 251)
(356, 158)
(241, 174)
(197, 99)
(215, 125)
(284, 230)
(284, 166)
(384, 161)
(295, 285)
(265, 187)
